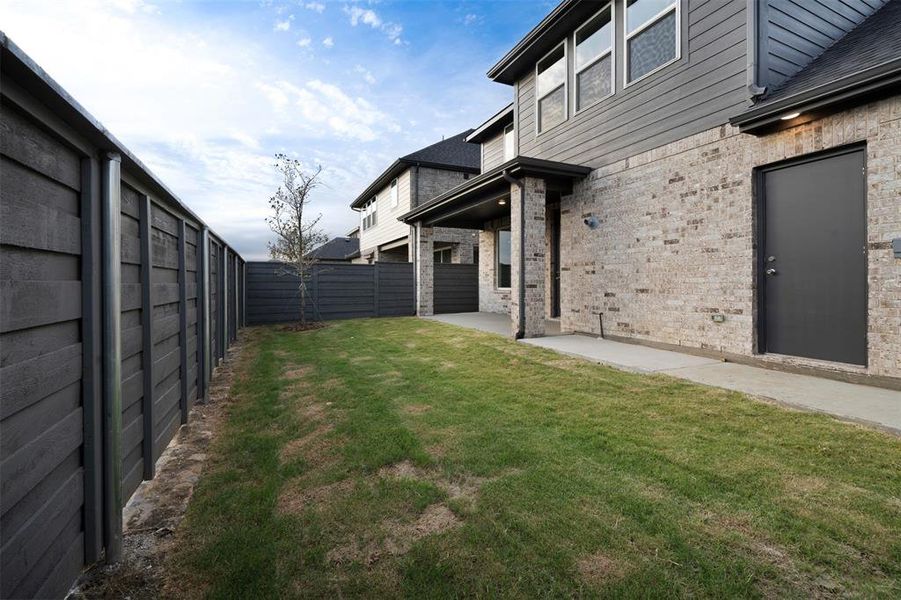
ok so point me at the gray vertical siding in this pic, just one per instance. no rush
(701, 90)
(797, 31)
(53, 470)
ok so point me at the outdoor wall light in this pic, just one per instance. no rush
(591, 222)
(790, 116)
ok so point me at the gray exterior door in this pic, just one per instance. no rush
(813, 260)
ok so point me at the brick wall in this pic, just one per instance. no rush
(491, 299)
(675, 243)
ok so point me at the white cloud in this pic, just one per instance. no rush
(367, 16)
(209, 128)
(368, 77)
(315, 6)
(325, 109)
(328, 42)
(282, 26)
(304, 42)
(470, 19)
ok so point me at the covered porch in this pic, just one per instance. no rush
(516, 208)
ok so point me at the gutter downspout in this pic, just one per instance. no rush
(112, 353)
(521, 325)
(755, 90)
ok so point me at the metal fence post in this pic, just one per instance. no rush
(204, 291)
(112, 353)
(223, 294)
(375, 289)
(183, 319)
(146, 233)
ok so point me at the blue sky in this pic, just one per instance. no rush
(206, 92)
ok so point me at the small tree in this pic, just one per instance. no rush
(297, 235)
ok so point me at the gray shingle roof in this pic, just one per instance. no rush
(877, 40)
(453, 152)
(339, 248)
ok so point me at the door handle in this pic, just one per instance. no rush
(771, 271)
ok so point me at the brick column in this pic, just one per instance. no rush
(533, 197)
(424, 247)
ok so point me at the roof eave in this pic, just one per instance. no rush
(871, 81)
(521, 166)
(502, 72)
(496, 121)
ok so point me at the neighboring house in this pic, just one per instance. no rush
(337, 250)
(720, 177)
(407, 183)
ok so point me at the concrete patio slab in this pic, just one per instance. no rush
(627, 356)
(859, 403)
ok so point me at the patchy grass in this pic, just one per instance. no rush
(400, 457)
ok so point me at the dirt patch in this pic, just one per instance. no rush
(464, 488)
(297, 372)
(293, 499)
(316, 447)
(598, 568)
(156, 509)
(417, 409)
(310, 326)
(398, 537)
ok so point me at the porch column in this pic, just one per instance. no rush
(424, 259)
(527, 229)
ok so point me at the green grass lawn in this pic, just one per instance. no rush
(399, 457)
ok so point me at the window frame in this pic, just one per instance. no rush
(394, 189)
(675, 5)
(512, 130)
(441, 250)
(611, 51)
(497, 258)
(565, 85)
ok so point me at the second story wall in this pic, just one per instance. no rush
(434, 182)
(705, 86)
(493, 151)
(387, 228)
(797, 31)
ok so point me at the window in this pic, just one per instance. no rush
(443, 255)
(508, 142)
(367, 215)
(594, 59)
(652, 36)
(394, 192)
(550, 84)
(503, 251)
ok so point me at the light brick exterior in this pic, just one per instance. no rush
(676, 241)
(532, 227)
(424, 266)
(491, 298)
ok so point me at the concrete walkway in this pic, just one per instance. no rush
(859, 403)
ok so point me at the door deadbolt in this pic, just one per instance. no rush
(771, 272)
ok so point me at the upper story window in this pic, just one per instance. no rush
(368, 215)
(593, 43)
(550, 75)
(509, 144)
(394, 192)
(652, 36)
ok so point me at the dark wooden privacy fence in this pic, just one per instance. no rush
(116, 301)
(455, 288)
(335, 291)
